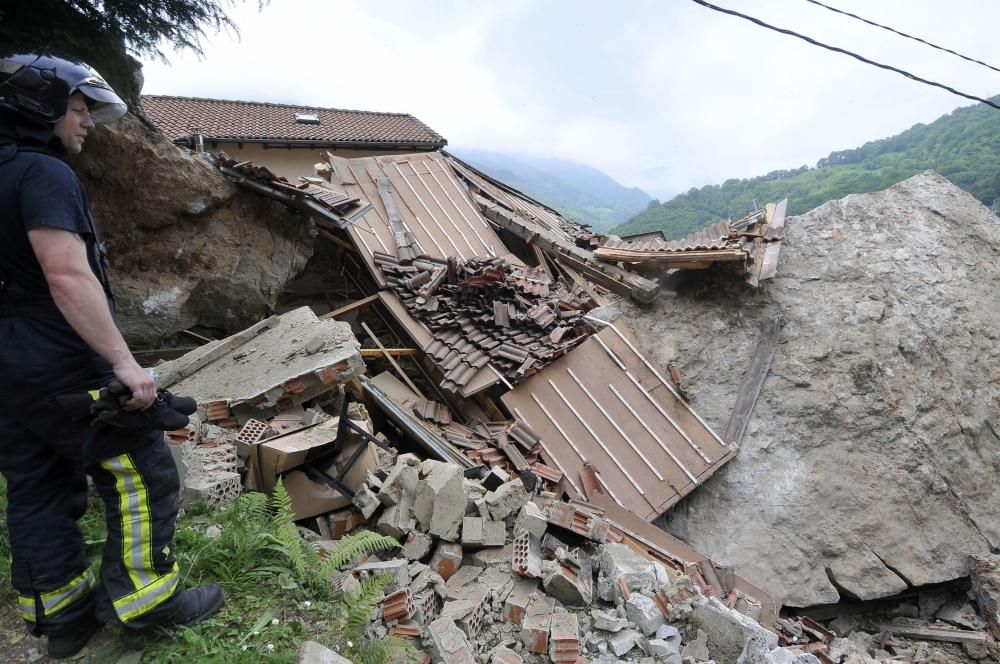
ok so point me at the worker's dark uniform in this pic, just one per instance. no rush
(47, 445)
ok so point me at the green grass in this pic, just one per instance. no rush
(277, 586)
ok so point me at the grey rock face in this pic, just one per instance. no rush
(869, 461)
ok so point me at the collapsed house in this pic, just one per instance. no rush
(540, 439)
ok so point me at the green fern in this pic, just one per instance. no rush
(349, 547)
(286, 535)
(359, 605)
(388, 649)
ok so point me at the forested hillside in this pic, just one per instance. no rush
(964, 146)
(578, 191)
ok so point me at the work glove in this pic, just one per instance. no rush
(168, 412)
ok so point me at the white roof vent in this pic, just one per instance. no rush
(306, 118)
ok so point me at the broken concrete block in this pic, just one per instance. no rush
(491, 557)
(396, 521)
(495, 478)
(663, 649)
(572, 587)
(465, 575)
(397, 569)
(402, 479)
(531, 519)
(517, 601)
(477, 531)
(608, 620)
(644, 613)
(426, 578)
(366, 501)
(786, 656)
(311, 652)
(526, 556)
(621, 642)
(535, 624)
(564, 637)
(617, 561)
(732, 636)
(504, 655)
(506, 500)
(217, 489)
(469, 611)
(439, 505)
(448, 643)
(447, 559)
(417, 545)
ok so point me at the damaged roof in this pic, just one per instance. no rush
(260, 122)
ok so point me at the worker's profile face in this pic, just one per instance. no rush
(72, 129)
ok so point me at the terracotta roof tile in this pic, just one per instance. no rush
(221, 119)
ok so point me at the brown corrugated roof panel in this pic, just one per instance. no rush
(605, 403)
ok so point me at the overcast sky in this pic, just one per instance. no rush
(661, 95)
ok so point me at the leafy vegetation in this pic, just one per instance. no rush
(278, 589)
(963, 146)
(577, 191)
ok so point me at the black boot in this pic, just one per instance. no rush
(185, 609)
(183, 405)
(72, 640)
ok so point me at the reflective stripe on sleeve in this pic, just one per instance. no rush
(27, 607)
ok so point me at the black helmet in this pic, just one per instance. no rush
(37, 85)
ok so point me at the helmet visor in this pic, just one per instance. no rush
(105, 105)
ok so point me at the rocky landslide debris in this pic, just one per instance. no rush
(869, 464)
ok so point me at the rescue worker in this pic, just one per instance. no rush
(58, 341)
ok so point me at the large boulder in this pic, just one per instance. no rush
(188, 248)
(870, 463)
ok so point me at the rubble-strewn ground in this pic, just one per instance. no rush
(871, 460)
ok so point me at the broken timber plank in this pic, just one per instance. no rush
(336, 240)
(753, 381)
(166, 380)
(348, 308)
(612, 277)
(934, 633)
(392, 361)
(395, 352)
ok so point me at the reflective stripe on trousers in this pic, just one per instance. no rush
(151, 588)
(55, 600)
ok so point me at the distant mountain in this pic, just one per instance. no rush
(963, 146)
(578, 191)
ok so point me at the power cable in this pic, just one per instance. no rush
(903, 34)
(836, 49)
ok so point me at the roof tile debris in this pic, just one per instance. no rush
(752, 241)
(232, 121)
(554, 434)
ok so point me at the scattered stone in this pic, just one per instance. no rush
(504, 655)
(402, 480)
(621, 642)
(985, 571)
(397, 569)
(477, 531)
(617, 561)
(572, 587)
(506, 500)
(447, 559)
(732, 637)
(448, 643)
(460, 579)
(532, 520)
(644, 613)
(608, 621)
(439, 505)
(311, 652)
(417, 545)
(697, 648)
